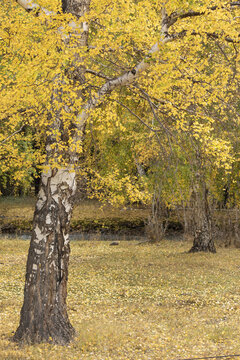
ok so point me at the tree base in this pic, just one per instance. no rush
(202, 242)
(198, 248)
(54, 331)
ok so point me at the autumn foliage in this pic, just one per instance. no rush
(183, 107)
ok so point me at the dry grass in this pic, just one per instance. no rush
(16, 215)
(133, 302)
(17, 207)
(22, 208)
(94, 209)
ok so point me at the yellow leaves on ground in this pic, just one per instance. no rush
(133, 302)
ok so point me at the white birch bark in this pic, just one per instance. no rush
(44, 315)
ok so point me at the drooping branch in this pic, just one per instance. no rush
(98, 74)
(175, 16)
(154, 131)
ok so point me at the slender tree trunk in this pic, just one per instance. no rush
(44, 315)
(203, 240)
(158, 220)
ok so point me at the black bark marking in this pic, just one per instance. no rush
(64, 5)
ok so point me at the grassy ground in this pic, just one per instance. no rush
(13, 207)
(133, 302)
(88, 215)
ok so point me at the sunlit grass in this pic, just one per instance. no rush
(133, 302)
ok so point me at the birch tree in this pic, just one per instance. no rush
(91, 51)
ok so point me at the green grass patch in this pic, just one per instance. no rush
(133, 302)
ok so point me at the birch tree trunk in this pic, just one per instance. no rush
(44, 314)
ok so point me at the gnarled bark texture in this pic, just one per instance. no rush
(44, 315)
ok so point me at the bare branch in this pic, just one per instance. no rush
(89, 71)
(13, 134)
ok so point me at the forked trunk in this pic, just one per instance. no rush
(203, 240)
(44, 315)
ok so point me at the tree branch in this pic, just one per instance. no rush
(29, 6)
(138, 117)
(89, 71)
(128, 77)
(13, 134)
(155, 131)
(228, 39)
(175, 16)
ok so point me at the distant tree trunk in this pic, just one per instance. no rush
(158, 220)
(44, 315)
(203, 240)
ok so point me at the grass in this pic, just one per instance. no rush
(90, 214)
(23, 207)
(133, 302)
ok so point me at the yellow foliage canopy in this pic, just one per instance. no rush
(188, 83)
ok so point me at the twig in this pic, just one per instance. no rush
(13, 134)
(99, 74)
